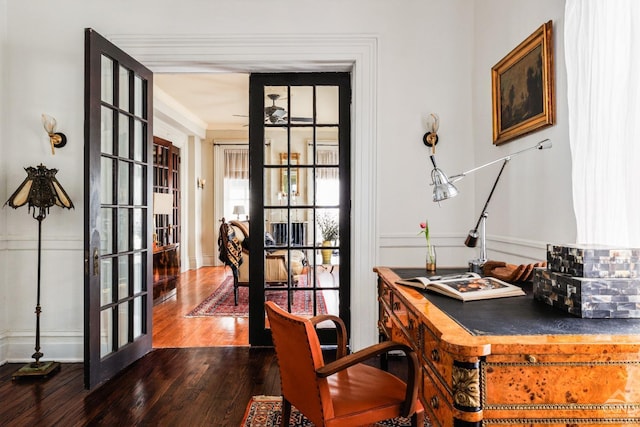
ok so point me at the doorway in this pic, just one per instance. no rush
(356, 53)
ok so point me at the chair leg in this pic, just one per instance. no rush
(235, 284)
(286, 412)
(417, 419)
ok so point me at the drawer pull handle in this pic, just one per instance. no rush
(411, 324)
(531, 358)
(435, 403)
(435, 355)
(396, 306)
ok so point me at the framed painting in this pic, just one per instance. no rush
(523, 87)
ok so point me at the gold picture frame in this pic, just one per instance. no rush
(523, 87)
(292, 160)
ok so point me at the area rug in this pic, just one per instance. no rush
(221, 302)
(266, 411)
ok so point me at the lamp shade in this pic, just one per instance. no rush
(238, 210)
(442, 188)
(162, 204)
(40, 190)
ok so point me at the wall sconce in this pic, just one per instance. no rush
(430, 139)
(201, 182)
(57, 139)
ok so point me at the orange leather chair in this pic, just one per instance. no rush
(345, 392)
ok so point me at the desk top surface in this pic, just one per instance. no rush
(517, 315)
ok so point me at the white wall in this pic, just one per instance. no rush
(533, 203)
(3, 189)
(427, 61)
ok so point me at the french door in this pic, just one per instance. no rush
(118, 188)
(299, 181)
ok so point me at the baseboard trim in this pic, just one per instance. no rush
(17, 347)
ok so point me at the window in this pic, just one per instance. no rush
(236, 182)
(327, 181)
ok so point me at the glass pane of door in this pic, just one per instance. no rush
(124, 181)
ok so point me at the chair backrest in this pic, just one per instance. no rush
(242, 227)
(229, 246)
(299, 355)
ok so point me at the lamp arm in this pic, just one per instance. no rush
(471, 242)
(542, 145)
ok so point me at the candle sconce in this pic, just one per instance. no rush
(57, 139)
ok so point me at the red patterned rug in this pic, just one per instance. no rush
(221, 302)
(266, 411)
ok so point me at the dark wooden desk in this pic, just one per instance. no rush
(517, 374)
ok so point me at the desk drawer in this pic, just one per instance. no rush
(397, 318)
(438, 360)
(437, 405)
(407, 320)
(550, 385)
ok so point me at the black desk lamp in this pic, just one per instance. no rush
(39, 191)
(444, 189)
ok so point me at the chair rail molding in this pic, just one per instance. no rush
(501, 248)
(356, 53)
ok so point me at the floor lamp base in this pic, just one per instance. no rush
(41, 370)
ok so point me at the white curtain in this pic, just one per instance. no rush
(327, 157)
(236, 163)
(602, 45)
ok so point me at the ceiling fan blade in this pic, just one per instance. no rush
(301, 119)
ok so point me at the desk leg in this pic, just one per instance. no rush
(384, 358)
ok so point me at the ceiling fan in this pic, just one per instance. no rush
(276, 114)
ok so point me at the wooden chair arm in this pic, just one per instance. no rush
(341, 331)
(411, 395)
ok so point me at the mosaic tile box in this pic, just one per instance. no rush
(594, 298)
(591, 261)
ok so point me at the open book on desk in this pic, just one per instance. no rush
(465, 286)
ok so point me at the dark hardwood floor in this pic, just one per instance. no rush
(208, 384)
(167, 387)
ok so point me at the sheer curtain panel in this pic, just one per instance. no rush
(602, 45)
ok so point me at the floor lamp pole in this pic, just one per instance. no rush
(37, 368)
(37, 355)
